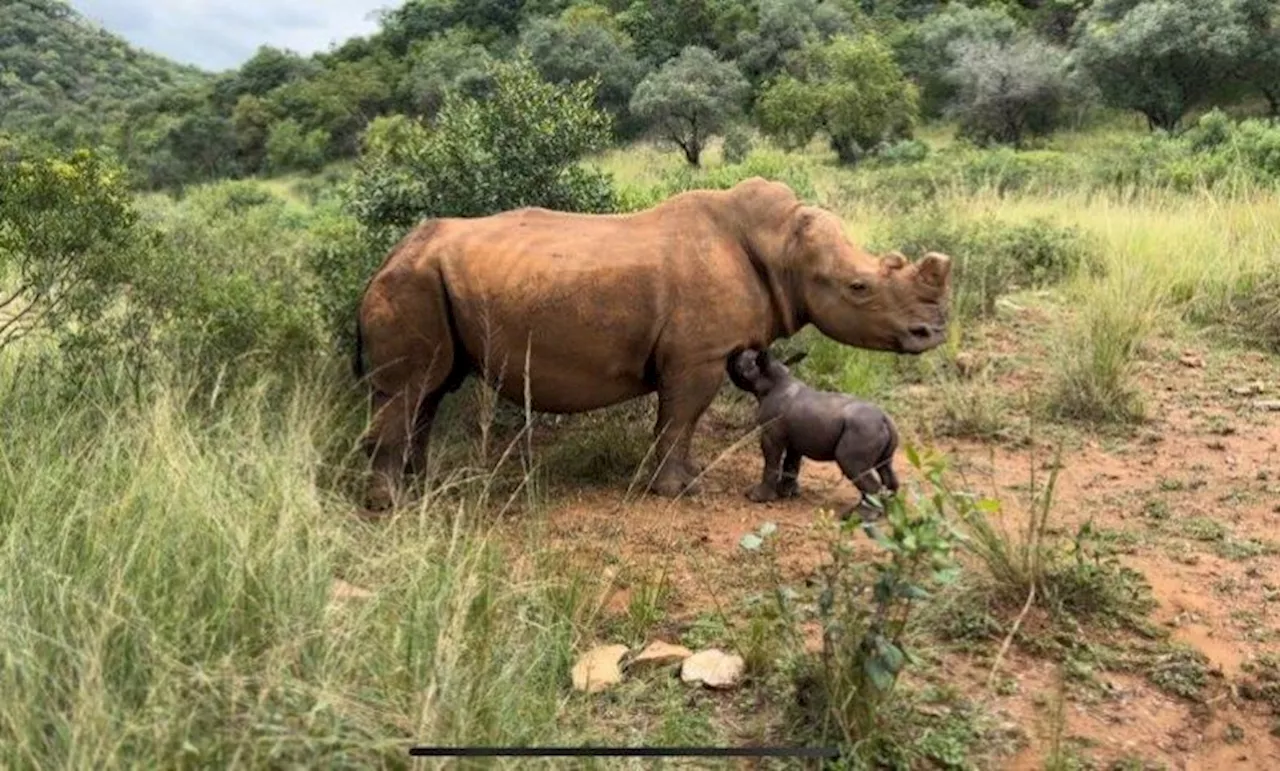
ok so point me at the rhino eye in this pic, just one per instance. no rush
(858, 286)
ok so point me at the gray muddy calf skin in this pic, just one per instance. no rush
(799, 422)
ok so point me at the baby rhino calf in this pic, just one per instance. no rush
(801, 422)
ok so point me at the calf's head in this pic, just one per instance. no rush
(757, 372)
(884, 304)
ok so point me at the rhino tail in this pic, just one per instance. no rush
(357, 361)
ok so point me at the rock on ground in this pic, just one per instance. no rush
(658, 654)
(713, 668)
(598, 669)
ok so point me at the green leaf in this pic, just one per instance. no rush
(890, 654)
(912, 456)
(751, 542)
(988, 506)
(767, 529)
(880, 677)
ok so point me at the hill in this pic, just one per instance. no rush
(64, 77)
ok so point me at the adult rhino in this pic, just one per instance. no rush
(607, 308)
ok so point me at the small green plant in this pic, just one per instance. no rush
(864, 614)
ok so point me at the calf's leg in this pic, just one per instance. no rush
(858, 467)
(789, 484)
(773, 447)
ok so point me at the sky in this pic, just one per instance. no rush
(222, 34)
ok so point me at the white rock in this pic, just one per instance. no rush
(713, 668)
(598, 669)
(658, 654)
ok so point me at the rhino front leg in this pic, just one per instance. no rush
(773, 449)
(683, 397)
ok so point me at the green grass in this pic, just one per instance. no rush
(165, 596)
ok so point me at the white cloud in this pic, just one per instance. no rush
(221, 34)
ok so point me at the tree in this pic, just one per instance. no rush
(267, 70)
(1008, 91)
(925, 51)
(1162, 57)
(251, 120)
(342, 100)
(1260, 64)
(662, 29)
(851, 89)
(67, 232)
(519, 146)
(290, 147)
(786, 26)
(434, 66)
(690, 99)
(576, 51)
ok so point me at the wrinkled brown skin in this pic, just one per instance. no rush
(797, 422)
(607, 308)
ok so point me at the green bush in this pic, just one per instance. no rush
(342, 255)
(737, 144)
(771, 165)
(992, 257)
(69, 241)
(519, 146)
(908, 176)
(224, 286)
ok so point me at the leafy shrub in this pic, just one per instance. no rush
(903, 151)
(776, 166)
(897, 180)
(993, 257)
(847, 691)
(343, 254)
(69, 240)
(850, 89)
(290, 146)
(225, 286)
(1008, 91)
(737, 144)
(519, 146)
(691, 98)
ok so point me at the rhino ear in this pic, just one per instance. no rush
(893, 261)
(795, 358)
(934, 269)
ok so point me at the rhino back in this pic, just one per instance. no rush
(603, 303)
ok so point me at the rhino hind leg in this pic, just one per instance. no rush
(406, 394)
(683, 397)
(859, 467)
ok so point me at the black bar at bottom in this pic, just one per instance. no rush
(628, 752)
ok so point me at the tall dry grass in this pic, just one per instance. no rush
(165, 595)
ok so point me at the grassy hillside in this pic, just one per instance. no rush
(64, 77)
